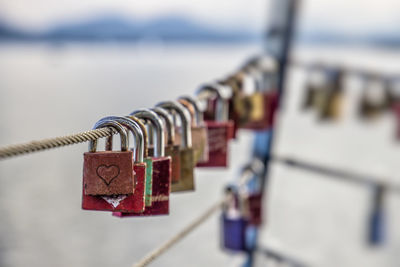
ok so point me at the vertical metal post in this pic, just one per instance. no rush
(278, 39)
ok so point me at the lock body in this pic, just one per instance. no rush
(121, 203)
(160, 190)
(200, 143)
(186, 183)
(260, 112)
(219, 134)
(108, 173)
(174, 153)
(330, 106)
(255, 209)
(234, 233)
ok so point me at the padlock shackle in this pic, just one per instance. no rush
(184, 115)
(144, 132)
(137, 134)
(168, 122)
(223, 94)
(251, 169)
(117, 126)
(156, 122)
(257, 77)
(192, 112)
(267, 66)
(199, 119)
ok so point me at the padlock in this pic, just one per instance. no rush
(374, 99)
(234, 225)
(220, 129)
(260, 106)
(315, 87)
(161, 169)
(199, 129)
(108, 173)
(147, 160)
(123, 202)
(171, 149)
(235, 102)
(332, 96)
(249, 191)
(186, 182)
(392, 91)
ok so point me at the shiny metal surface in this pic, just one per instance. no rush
(117, 126)
(156, 122)
(168, 122)
(184, 115)
(137, 134)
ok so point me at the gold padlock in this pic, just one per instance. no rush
(186, 182)
(199, 129)
(333, 95)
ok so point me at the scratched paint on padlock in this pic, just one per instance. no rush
(173, 152)
(114, 201)
(217, 139)
(186, 183)
(160, 192)
(108, 173)
(122, 203)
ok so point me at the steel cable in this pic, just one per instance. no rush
(34, 146)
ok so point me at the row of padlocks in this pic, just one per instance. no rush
(173, 138)
(325, 93)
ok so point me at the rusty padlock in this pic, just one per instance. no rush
(161, 169)
(186, 183)
(108, 173)
(199, 129)
(220, 129)
(171, 149)
(123, 203)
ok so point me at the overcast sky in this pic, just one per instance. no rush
(347, 15)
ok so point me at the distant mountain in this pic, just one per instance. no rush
(388, 38)
(168, 28)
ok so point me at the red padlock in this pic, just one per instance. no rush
(121, 202)
(108, 173)
(161, 169)
(255, 208)
(220, 128)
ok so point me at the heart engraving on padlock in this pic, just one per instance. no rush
(107, 173)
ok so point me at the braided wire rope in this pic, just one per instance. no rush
(44, 144)
(184, 232)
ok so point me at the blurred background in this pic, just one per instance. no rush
(65, 64)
